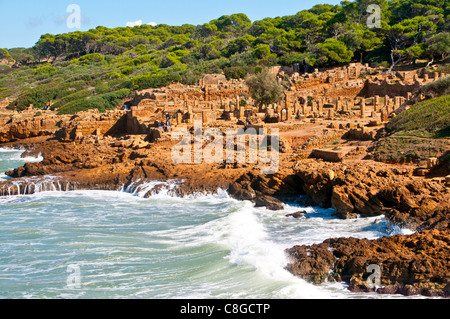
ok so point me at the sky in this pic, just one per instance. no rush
(23, 22)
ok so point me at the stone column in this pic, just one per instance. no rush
(397, 102)
(363, 108)
(376, 103)
(205, 117)
(320, 105)
(286, 100)
(296, 108)
(304, 106)
(384, 115)
(387, 100)
(241, 112)
(339, 105)
(206, 93)
(373, 115)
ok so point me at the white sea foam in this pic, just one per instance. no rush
(251, 245)
(9, 150)
(17, 156)
(167, 189)
(27, 159)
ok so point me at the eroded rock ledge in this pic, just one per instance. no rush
(409, 265)
(375, 189)
(414, 264)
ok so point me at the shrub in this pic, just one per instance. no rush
(127, 70)
(43, 94)
(115, 75)
(91, 58)
(437, 88)
(70, 98)
(189, 78)
(264, 88)
(154, 81)
(102, 102)
(235, 72)
(46, 69)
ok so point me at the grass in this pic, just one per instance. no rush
(419, 133)
(398, 149)
(427, 119)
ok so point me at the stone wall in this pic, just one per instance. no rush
(93, 124)
(318, 141)
(392, 89)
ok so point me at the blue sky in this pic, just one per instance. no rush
(23, 22)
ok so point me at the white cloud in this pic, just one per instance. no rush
(134, 24)
(152, 24)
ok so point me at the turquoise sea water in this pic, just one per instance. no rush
(117, 244)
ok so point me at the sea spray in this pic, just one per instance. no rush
(12, 158)
(31, 185)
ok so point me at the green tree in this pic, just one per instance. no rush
(336, 50)
(239, 45)
(264, 88)
(4, 55)
(263, 53)
(206, 30)
(406, 34)
(235, 23)
(438, 46)
(23, 55)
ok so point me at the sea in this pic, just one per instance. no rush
(86, 244)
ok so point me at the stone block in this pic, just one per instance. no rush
(328, 155)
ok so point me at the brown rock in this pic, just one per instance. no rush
(297, 214)
(269, 202)
(415, 264)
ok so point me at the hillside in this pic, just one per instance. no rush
(421, 132)
(100, 67)
(428, 119)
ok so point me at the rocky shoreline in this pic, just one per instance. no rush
(410, 264)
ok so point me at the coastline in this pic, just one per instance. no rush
(403, 202)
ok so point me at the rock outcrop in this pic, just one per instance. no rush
(409, 265)
(265, 190)
(15, 129)
(414, 264)
(372, 190)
